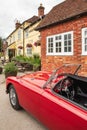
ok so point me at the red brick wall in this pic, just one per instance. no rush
(52, 62)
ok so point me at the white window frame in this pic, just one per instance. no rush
(47, 46)
(26, 33)
(29, 51)
(83, 41)
(19, 52)
(19, 34)
(62, 44)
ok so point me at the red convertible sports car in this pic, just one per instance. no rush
(58, 99)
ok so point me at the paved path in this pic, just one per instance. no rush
(14, 120)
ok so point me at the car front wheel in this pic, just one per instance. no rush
(13, 98)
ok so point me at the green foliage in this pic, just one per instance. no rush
(10, 67)
(21, 58)
(35, 60)
(32, 60)
(0, 54)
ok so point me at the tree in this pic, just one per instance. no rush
(1, 42)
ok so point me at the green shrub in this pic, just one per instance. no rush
(10, 67)
(35, 60)
(0, 54)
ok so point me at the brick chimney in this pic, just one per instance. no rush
(17, 24)
(41, 11)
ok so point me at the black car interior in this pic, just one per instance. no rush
(74, 88)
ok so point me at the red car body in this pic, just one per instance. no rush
(54, 111)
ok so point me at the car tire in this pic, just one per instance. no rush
(14, 98)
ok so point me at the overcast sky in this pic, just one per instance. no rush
(12, 10)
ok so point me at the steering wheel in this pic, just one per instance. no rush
(67, 88)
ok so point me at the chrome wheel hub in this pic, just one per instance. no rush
(13, 96)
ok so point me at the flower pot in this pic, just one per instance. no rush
(10, 74)
(10, 69)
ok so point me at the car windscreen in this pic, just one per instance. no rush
(65, 69)
(69, 68)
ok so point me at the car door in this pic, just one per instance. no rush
(58, 113)
(29, 96)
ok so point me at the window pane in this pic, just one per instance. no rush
(58, 46)
(19, 51)
(67, 43)
(51, 39)
(65, 49)
(69, 36)
(58, 37)
(69, 49)
(86, 48)
(85, 40)
(85, 32)
(50, 45)
(51, 49)
(58, 49)
(65, 37)
(29, 50)
(19, 34)
(26, 33)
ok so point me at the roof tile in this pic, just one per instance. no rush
(63, 11)
(32, 19)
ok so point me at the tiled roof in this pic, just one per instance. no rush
(63, 11)
(33, 19)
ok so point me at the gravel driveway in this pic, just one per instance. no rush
(15, 120)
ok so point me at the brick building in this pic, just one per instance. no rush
(64, 35)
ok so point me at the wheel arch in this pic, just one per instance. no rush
(18, 106)
(8, 87)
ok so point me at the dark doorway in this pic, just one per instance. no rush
(11, 54)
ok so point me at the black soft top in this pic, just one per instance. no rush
(80, 78)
